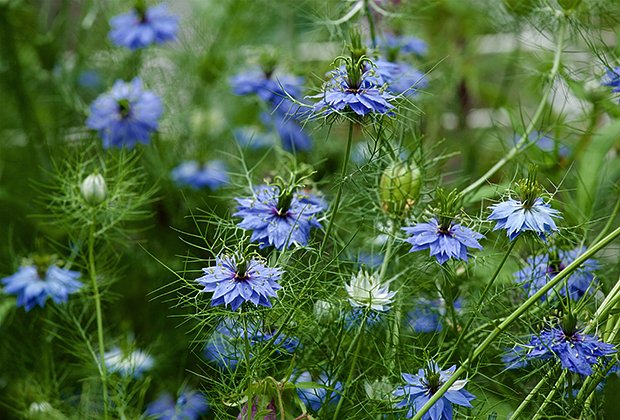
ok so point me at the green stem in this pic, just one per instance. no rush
(93, 277)
(550, 396)
(533, 392)
(513, 317)
(357, 342)
(610, 221)
(518, 148)
(478, 306)
(371, 25)
(343, 175)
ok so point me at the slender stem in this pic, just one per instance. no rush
(357, 342)
(533, 392)
(93, 277)
(371, 25)
(518, 148)
(343, 175)
(482, 296)
(513, 317)
(550, 396)
(609, 223)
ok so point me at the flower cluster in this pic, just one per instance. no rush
(226, 345)
(212, 174)
(233, 283)
(126, 115)
(421, 387)
(142, 27)
(542, 268)
(443, 242)
(279, 218)
(33, 285)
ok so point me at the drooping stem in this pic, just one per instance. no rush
(343, 175)
(93, 277)
(481, 348)
(481, 299)
(524, 139)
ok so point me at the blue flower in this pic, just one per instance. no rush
(421, 387)
(577, 352)
(401, 78)
(212, 174)
(314, 398)
(426, 314)
(233, 284)
(293, 136)
(517, 217)
(443, 243)
(392, 44)
(612, 79)
(281, 220)
(134, 364)
(275, 90)
(542, 268)
(34, 288)
(364, 97)
(515, 358)
(126, 115)
(190, 405)
(141, 28)
(226, 346)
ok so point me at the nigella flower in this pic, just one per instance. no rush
(314, 398)
(134, 364)
(234, 283)
(126, 115)
(443, 242)
(292, 135)
(421, 387)
(211, 174)
(142, 27)
(578, 352)
(425, 317)
(542, 268)
(393, 44)
(279, 219)
(362, 96)
(190, 405)
(226, 346)
(612, 79)
(366, 291)
(515, 358)
(517, 217)
(401, 78)
(275, 90)
(33, 285)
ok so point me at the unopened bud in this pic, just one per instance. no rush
(399, 187)
(94, 189)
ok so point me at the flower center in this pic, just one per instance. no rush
(124, 108)
(432, 381)
(242, 272)
(445, 230)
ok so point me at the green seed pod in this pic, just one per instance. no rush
(399, 188)
(94, 189)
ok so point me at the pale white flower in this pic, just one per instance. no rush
(128, 364)
(366, 290)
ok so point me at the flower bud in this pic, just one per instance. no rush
(94, 189)
(399, 187)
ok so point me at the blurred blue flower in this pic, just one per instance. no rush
(612, 79)
(126, 115)
(254, 138)
(364, 97)
(443, 243)
(293, 136)
(211, 174)
(279, 219)
(89, 79)
(234, 283)
(425, 317)
(517, 217)
(542, 268)
(401, 78)
(421, 387)
(226, 346)
(33, 288)
(141, 28)
(190, 405)
(134, 364)
(391, 44)
(275, 90)
(577, 352)
(314, 398)
(515, 358)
